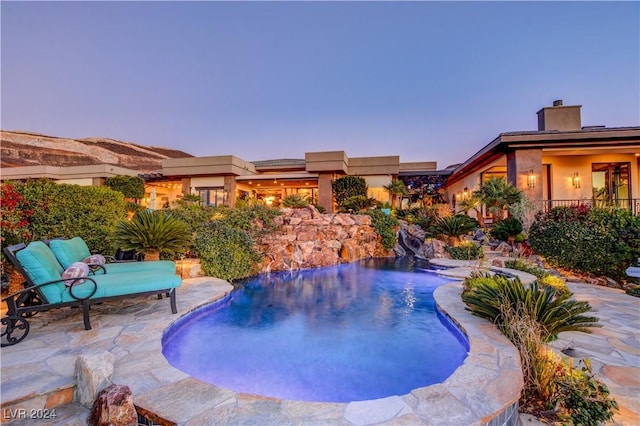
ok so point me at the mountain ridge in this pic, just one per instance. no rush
(25, 148)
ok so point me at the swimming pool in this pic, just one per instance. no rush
(351, 332)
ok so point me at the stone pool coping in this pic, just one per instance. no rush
(484, 390)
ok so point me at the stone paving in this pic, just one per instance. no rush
(39, 372)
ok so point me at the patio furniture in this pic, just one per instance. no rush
(76, 250)
(46, 288)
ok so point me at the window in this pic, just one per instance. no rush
(611, 183)
(212, 196)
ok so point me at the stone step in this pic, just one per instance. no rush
(35, 406)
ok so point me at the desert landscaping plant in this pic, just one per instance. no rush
(348, 186)
(529, 317)
(385, 226)
(153, 232)
(453, 227)
(497, 195)
(507, 229)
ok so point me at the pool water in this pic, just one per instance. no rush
(351, 332)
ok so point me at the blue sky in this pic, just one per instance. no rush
(264, 80)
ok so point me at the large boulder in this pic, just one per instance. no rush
(93, 373)
(113, 407)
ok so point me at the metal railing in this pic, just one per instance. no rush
(632, 204)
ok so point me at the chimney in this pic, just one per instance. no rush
(559, 117)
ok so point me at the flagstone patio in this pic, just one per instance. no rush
(39, 372)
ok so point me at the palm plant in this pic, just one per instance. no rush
(396, 188)
(453, 227)
(507, 229)
(554, 312)
(153, 232)
(498, 195)
(474, 202)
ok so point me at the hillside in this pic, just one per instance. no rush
(31, 149)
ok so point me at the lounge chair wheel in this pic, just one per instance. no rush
(13, 325)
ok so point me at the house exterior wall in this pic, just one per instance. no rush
(376, 186)
(563, 168)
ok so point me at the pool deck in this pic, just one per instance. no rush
(39, 372)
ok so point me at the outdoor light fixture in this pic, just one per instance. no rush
(531, 179)
(577, 183)
(465, 193)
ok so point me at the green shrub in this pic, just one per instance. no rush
(521, 265)
(226, 252)
(348, 186)
(554, 312)
(634, 291)
(62, 210)
(584, 399)
(130, 186)
(465, 251)
(357, 203)
(385, 226)
(507, 228)
(255, 219)
(295, 201)
(599, 241)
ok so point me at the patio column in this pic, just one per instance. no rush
(230, 189)
(524, 171)
(325, 191)
(186, 185)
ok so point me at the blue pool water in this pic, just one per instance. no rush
(352, 332)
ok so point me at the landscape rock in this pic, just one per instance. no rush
(113, 407)
(93, 373)
(306, 239)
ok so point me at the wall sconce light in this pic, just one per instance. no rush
(577, 182)
(465, 193)
(531, 179)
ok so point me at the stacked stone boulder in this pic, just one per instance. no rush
(305, 238)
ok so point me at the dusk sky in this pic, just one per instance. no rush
(429, 81)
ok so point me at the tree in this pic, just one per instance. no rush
(497, 195)
(347, 187)
(130, 186)
(395, 188)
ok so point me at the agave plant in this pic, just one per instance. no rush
(153, 232)
(453, 227)
(554, 312)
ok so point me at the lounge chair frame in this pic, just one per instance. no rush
(25, 303)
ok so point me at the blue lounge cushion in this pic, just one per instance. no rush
(69, 251)
(123, 284)
(39, 262)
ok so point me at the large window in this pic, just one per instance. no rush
(611, 183)
(212, 196)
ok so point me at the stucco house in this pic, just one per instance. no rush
(561, 163)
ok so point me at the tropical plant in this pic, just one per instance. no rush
(396, 188)
(153, 232)
(633, 291)
(506, 229)
(474, 202)
(348, 186)
(295, 201)
(453, 227)
(554, 312)
(497, 195)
